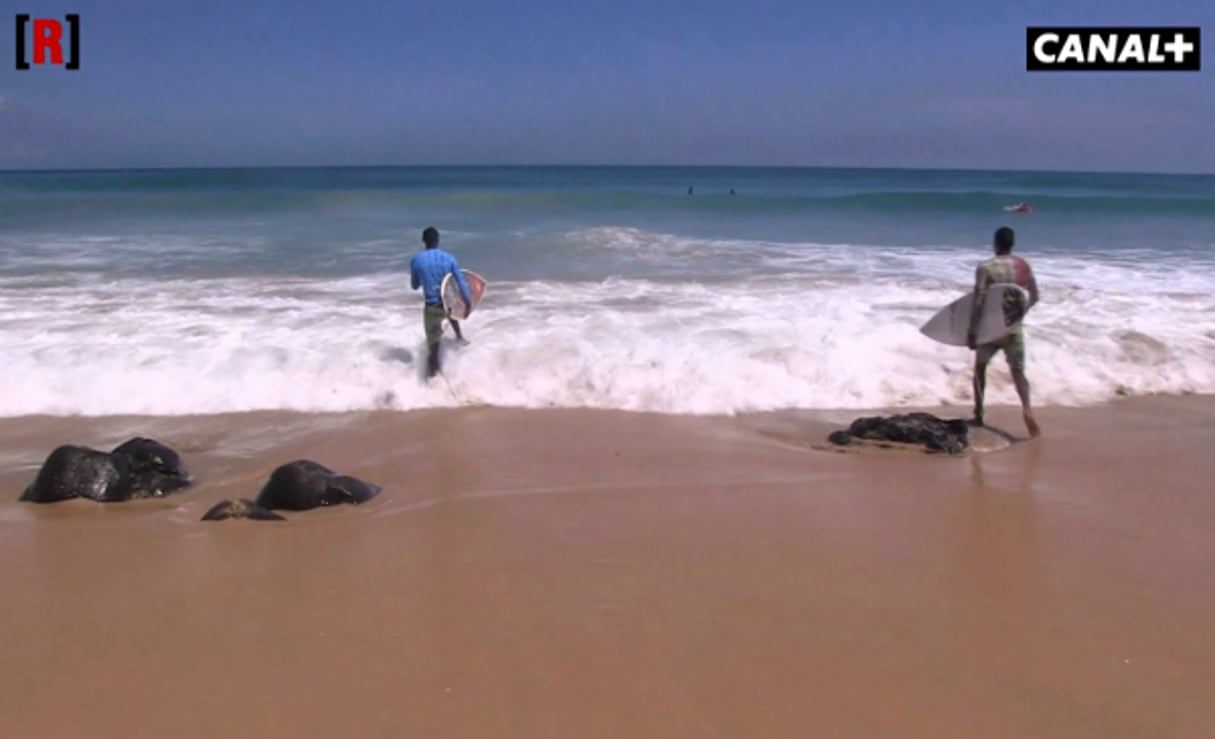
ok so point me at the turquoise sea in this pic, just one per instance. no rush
(186, 291)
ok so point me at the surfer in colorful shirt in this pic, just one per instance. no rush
(427, 270)
(1003, 268)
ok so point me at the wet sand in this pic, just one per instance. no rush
(599, 574)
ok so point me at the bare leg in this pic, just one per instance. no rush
(459, 336)
(1027, 412)
(980, 386)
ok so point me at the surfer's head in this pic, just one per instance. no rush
(430, 237)
(1003, 241)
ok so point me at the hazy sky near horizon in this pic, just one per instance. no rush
(939, 83)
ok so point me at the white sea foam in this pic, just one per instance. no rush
(798, 326)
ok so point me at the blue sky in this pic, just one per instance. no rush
(751, 82)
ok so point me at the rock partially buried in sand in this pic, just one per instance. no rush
(297, 486)
(152, 469)
(74, 472)
(139, 468)
(951, 436)
(243, 508)
(303, 485)
(840, 438)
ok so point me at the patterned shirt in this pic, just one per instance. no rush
(1002, 270)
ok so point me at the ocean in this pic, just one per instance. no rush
(176, 292)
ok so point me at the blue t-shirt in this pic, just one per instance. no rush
(427, 270)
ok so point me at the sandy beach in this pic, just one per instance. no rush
(574, 573)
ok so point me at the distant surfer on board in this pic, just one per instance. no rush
(427, 270)
(1019, 208)
(1002, 268)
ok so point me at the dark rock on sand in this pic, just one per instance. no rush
(303, 485)
(243, 508)
(139, 468)
(840, 438)
(298, 486)
(74, 472)
(950, 436)
(152, 469)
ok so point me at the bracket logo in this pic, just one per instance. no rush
(47, 41)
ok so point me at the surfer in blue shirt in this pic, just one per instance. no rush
(427, 270)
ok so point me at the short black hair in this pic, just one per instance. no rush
(430, 236)
(1005, 238)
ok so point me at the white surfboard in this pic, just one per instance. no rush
(1003, 310)
(453, 302)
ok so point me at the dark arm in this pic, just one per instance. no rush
(465, 292)
(1033, 288)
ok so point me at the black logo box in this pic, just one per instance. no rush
(1192, 62)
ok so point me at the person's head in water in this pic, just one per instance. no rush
(430, 237)
(1003, 241)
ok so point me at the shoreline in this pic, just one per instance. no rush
(557, 573)
(825, 412)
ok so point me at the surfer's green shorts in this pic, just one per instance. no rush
(432, 319)
(1013, 346)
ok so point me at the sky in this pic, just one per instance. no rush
(868, 83)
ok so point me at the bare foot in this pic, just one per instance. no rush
(1031, 425)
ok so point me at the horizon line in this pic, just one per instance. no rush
(78, 170)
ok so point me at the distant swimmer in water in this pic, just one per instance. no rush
(427, 270)
(1019, 208)
(689, 191)
(1003, 268)
(731, 191)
